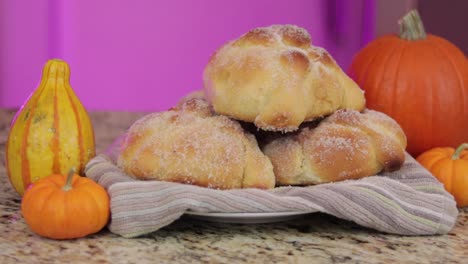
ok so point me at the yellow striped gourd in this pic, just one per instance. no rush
(51, 133)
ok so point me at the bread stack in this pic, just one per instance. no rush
(309, 121)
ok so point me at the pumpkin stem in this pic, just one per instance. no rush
(459, 150)
(411, 26)
(68, 182)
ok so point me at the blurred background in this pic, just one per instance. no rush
(143, 55)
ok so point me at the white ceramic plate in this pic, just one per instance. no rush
(246, 218)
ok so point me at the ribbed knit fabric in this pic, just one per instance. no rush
(409, 201)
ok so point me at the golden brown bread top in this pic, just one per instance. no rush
(346, 145)
(274, 77)
(190, 144)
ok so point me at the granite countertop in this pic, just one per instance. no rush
(313, 238)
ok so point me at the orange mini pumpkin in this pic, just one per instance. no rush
(420, 80)
(65, 206)
(450, 167)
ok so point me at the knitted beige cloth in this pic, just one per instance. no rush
(408, 202)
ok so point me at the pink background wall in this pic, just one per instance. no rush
(144, 55)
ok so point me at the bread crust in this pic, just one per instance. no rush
(275, 78)
(346, 145)
(191, 144)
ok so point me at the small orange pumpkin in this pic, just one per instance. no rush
(65, 206)
(450, 167)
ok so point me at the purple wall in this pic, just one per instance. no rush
(144, 55)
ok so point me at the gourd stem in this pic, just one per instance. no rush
(459, 150)
(411, 26)
(68, 182)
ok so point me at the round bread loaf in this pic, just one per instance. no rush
(275, 78)
(190, 144)
(346, 145)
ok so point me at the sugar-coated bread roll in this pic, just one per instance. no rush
(275, 78)
(346, 145)
(190, 144)
(197, 94)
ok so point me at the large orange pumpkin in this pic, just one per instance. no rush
(419, 79)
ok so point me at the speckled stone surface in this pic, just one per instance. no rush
(314, 238)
